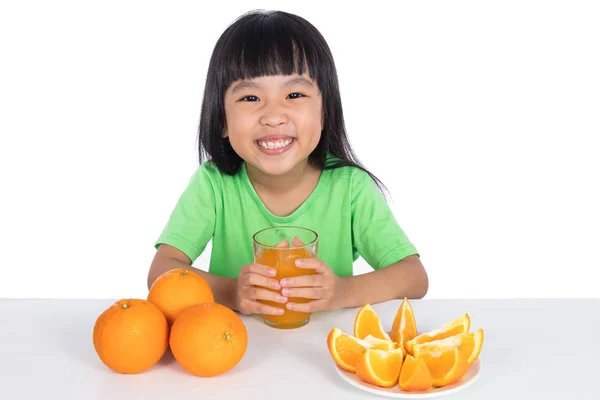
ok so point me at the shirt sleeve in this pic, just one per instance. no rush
(192, 222)
(377, 236)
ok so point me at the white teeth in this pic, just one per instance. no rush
(276, 144)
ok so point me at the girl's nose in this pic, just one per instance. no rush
(273, 116)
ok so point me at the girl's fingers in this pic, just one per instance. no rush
(252, 279)
(259, 269)
(248, 306)
(256, 293)
(313, 263)
(305, 293)
(303, 281)
(296, 242)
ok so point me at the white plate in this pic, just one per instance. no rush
(470, 377)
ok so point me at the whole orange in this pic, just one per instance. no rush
(178, 289)
(131, 336)
(208, 339)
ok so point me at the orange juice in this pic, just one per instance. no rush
(279, 247)
(283, 260)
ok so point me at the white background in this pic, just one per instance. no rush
(481, 118)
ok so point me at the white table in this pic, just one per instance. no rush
(534, 349)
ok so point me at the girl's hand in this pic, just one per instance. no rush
(253, 283)
(325, 288)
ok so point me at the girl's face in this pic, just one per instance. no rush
(274, 122)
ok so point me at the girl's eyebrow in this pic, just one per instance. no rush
(245, 84)
(298, 81)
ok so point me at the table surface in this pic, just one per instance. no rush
(534, 349)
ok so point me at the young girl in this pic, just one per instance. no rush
(274, 151)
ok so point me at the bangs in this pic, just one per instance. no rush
(268, 44)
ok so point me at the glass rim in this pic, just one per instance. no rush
(285, 227)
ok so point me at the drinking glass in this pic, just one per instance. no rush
(279, 247)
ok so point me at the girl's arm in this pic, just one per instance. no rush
(168, 257)
(405, 278)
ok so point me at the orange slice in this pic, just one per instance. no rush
(379, 344)
(380, 367)
(347, 349)
(404, 327)
(368, 323)
(414, 375)
(469, 345)
(459, 325)
(446, 365)
(477, 345)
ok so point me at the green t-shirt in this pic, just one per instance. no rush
(346, 209)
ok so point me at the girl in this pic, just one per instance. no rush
(273, 151)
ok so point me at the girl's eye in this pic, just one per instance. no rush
(295, 95)
(249, 98)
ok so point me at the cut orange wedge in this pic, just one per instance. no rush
(380, 367)
(368, 323)
(469, 345)
(404, 327)
(446, 365)
(379, 344)
(477, 345)
(346, 349)
(414, 375)
(459, 325)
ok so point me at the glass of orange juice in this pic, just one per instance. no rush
(278, 248)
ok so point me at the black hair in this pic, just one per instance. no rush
(263, 43)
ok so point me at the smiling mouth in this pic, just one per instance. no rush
(275, 144)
